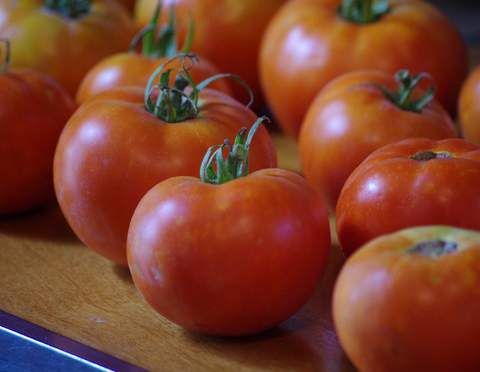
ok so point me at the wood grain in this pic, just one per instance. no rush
(48, 277)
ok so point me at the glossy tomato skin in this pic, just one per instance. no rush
(132, 69)
(113, 151)
(228, 33)
(395, 311)
(214, 258)
(469, 107)
(33, 111)
(351, 118)
(64, 48)
(390, 191)
(307, 44)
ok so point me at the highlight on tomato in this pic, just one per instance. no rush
(212, 254)
(227, 32)
(409, 301)
(33, 111)
(415, 182)
(358, 113)
(469, 107)
(310, 42)
(134, 68)
(124, 141)
(64, 38)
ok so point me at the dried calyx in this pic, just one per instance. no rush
(363, 11)
(69, 8)
(431, 155)
(433, 248)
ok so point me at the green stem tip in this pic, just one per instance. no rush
(407, 84)
(363, 11)
(218, 169)
(69, 8)
(5, 55)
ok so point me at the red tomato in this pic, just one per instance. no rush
(33, 111)
(409, 301)
(114, 149)
(469, 107)
(308, 43)
(135, 68)
(358, 113)
(227, 32)
(411, 183)
(213, 258)
(66, 38)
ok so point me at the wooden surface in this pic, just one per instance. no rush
(48, 277)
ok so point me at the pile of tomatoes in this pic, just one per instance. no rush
(134, 116)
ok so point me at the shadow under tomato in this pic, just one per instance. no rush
(46, 224)
(123, 273)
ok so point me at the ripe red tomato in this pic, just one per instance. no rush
(114, 149)
(213, 258)
(310, 42)
(33, 111)
(409, 301)
(135, 68)
(64, 39)
(469, 107)
(411, 183)
(227, 32)
(358, 113)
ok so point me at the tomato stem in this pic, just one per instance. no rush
(217, 168)
(363, 11)
(433, 248)
(6, 55)
(164, 42)
(69, 8)
(431, 155)
(406, 86)
(180, 102)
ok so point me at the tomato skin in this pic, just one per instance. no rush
(33, 111)
(395, 311)
(132, 69)
(390, 191)
(307, 45)
(469, 107)
(113, 151)
(64, 48)
(228, 33)
(350, 119)
(213, 258)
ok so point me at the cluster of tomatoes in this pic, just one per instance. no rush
(157, 164)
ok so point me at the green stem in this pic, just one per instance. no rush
(363, 11)
(69, 8)
(180, 101)
(218, 169)
(6, 55)
(407, 84)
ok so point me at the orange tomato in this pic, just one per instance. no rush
(409, 301)
(358, 113)
(469, 107)
(308, 43)
(64, 39)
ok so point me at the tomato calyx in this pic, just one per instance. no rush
(69, 8)
(180, 102)
(407, 84)
(5, 56)
(164, 42)
(216, 168)
(363, 11)
(431, 155)
(433, 248)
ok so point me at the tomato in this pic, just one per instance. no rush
(33, 111)
(308, 43)
(129, 4)
(64, 39)
(212, 254)
(227, 32)
(409, 302)
(114, 149)
(358, 113)
(469, 107)
(134, 69)
(411, 183)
